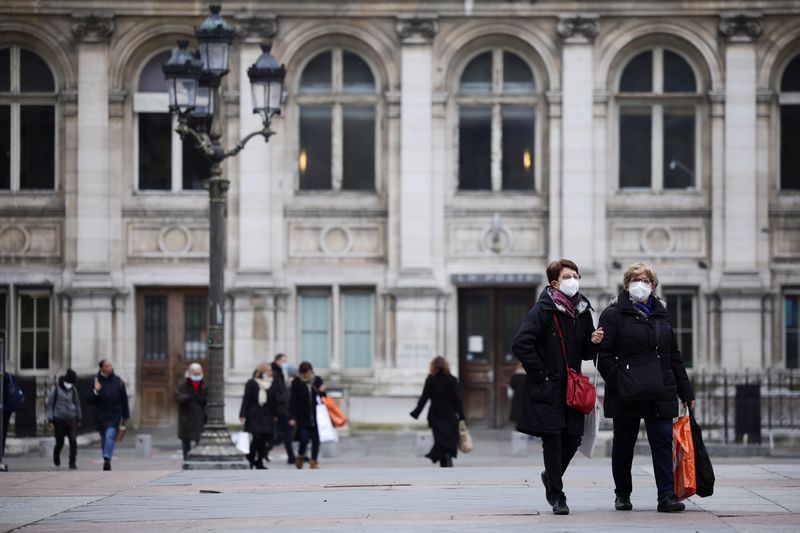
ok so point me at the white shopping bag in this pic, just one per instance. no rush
(591, 425)
(327, 433)
(241, 439)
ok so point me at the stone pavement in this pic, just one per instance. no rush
(376, 483)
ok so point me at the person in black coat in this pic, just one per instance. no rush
(110, 401)
(558, 327)
(304, 397)
(279, 368)
(192, 396)
(441, 388)
(258, 413)
(516, 390)
(636, 323)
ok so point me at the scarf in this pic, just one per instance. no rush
(195, 385)
(644, 308)
(565, 301)
(263, 385)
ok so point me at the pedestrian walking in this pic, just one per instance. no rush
(110, 401)
(192, 396)
(258, 413)
(303, 399)
(13, 398)
(63, 410)
(516, 392)
(280, 366)
(446, 410)
(639, 345)
(557, 331)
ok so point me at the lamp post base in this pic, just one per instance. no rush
(216, 451)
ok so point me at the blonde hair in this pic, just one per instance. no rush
(262, 368)
(637, 269)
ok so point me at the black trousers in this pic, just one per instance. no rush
(305, 434)
(6, 421)
(65, 429)
(187, 447)
(286, 434)
(558, 450)
(258, 447)
(659, 434)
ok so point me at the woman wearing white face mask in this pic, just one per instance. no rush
(192, 397)
(644, 374)
(558, 329)
(258, 412)
(63, 409)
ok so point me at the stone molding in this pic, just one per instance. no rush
(92, 27)
(743, 27)
(578, 29)
(256, 29)
(416, 29)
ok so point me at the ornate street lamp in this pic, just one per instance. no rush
(193, 80)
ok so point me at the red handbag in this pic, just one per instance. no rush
(581, 394)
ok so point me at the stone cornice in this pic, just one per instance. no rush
(257, 28)
(92, 27)
(578, 29)
(742, 27)
(416, 29)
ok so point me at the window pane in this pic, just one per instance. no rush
(26, 311)
(35, 75)
(152, 80)
(37, 147)
(155, 151)
(3, 323)
(638, 74)
(5, 70)
(518, 140)
(477, 77)
(42, 349)
(195, 333)
(679, 137)
(790, 81)
(314, 344)
(686, 312)
(42, 312)
(792, 350)
(196, 168)
(477, 323)
(686, 347)
(517, 75)
(678, 75)
(317, 75)
(474, 148)
(634, 146)
(791, 309)
(155, 328)
(315, 148)
(359, 149)
(26, 353)
(5, 147)
(357, 329)
(790, 141)
(357, 77)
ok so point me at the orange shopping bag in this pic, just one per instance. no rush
(683, 458)
(337, 416)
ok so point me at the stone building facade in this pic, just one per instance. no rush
(431, 159)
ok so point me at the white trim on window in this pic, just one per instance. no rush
(34, 293)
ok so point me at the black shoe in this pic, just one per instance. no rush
(290, 460)
(670, 504)
(107, 464)
(560, 507)
(72, 466)
(550, 500)
(623, 503)
(56, 459)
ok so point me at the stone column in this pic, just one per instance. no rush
(577, 184)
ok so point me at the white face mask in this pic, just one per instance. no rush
(265, 376)
(569, 287)
(639, 291)
(68, 386)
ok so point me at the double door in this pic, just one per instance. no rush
(488, 320)
(172, 333)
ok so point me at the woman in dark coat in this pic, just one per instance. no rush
(192, 397)
(441, 388)
(637, 323)
(304, 397)
(258, 413)
(561, 311)
(516, 387)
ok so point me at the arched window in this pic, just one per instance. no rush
(163, 161)
(27, 121)
(789, 100)
(337, 98)
(659, 99)
(497, 99)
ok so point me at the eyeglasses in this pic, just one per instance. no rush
(646, 281)
(570, 276)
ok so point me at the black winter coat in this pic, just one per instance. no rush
(303, 403)
(258, 418)
(445, 411)
(627, 332)
(281, 391)
(110, 404)
(538, 346)
(191, 410)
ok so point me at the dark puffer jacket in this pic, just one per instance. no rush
(111, 403)
(538, 346)
(627, 332)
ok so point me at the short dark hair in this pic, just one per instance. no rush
(554, 269)
(278, 356)
(304, 367)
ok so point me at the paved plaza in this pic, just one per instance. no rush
(375, 482)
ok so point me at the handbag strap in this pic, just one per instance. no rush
(561, 337)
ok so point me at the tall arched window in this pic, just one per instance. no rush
(163, 161)
(497, 99)
(27, 121)
(789, 100)
(659, 99)
(338, 98)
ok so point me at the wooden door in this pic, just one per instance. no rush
(172, 332)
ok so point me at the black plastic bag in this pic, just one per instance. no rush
(704, 472)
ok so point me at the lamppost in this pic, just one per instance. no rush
(193, 81)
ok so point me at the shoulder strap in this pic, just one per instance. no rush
(658, 331)
(561, 338)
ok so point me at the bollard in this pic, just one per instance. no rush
(327, 449)
(519, 444)
(46, 446)
(144, 442)
(424, 443)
